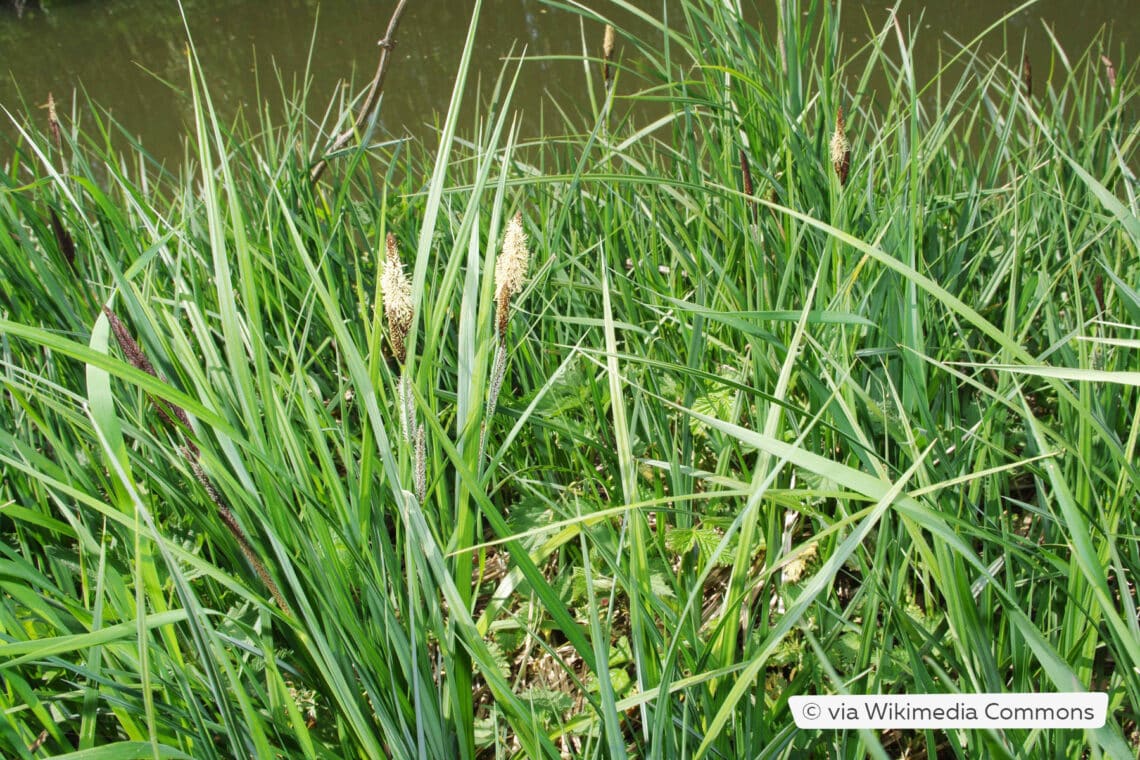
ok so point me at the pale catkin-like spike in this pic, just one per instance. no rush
(396, 290)
(1109, 71)
(39, 742)
(840, 148)
(421, 465)
(498, 372)
(780, 37)
(608, 54)
(510, 270)
(407, 409)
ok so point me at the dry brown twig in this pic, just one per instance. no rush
(387, 45)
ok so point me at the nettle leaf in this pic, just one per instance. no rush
(707, 539)
(717, 404)
(528, 514)
(620, 681)
(499, 658)
(660, 586)
(547, 702)
(680, 540)
(703, 538)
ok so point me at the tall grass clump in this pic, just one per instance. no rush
(820, 378)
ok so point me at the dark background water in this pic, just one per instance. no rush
(129, 57)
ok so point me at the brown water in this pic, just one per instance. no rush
(128, 56)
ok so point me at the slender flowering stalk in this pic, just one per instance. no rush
(396, 289)
(840, 148)
(226, 515)
(510, 273)
(780, 37)
(62, 236)
(171, 412)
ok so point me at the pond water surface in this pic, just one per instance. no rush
(128, 56)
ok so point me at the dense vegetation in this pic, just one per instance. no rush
(779, 408)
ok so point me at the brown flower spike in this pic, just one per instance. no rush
(746, 179)
(396, 290)
(53, 123)
(840, 148)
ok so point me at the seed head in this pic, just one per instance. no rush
(172, 414)
(1109, 71)
(510, 270)
(53, 123)
(607, 54)
(421, 466)
(746, 175)
(840, 148)
(396, 290)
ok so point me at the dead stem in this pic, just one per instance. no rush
(387, 45)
